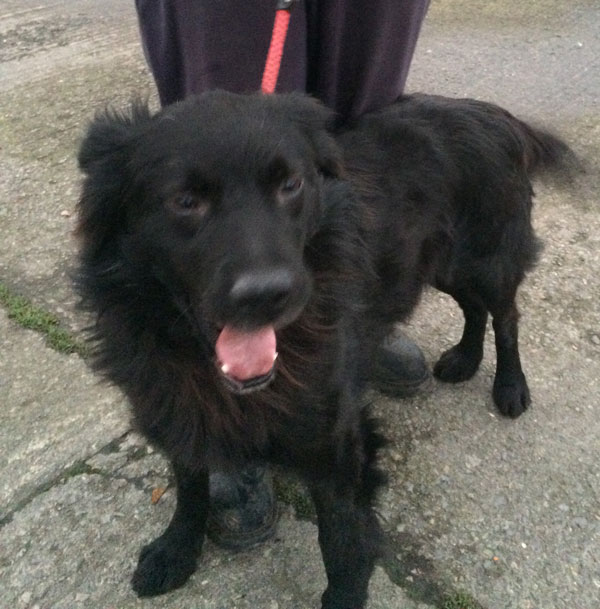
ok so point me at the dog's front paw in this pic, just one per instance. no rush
(163, 565)
(342, 599)
(512, 397)
(457, 364)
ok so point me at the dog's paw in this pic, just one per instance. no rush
(162, 566)
(512, 397)
(456, 365)
(338, 598)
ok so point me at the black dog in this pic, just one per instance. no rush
(245, 262)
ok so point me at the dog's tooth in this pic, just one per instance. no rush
(224, 368)
(275, 356)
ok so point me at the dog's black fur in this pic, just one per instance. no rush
(333, 237)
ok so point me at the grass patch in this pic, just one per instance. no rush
(28, 316)
(292, 493)
(460, 600)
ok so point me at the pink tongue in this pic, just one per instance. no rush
(245, 355)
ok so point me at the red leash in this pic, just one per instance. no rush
(273, 63)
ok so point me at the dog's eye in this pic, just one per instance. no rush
(188, 203)
(290, 187)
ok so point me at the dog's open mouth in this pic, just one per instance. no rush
(246, 358)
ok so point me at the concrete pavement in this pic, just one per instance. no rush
(506, 511)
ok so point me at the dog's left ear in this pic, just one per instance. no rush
(316, 121)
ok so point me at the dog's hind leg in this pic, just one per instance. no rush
(168, 562)
(462, 361)
(511, 393)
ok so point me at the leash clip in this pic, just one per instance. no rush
(284, 5)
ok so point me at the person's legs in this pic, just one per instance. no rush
(360, 52)
(197, 45)
(352, 54)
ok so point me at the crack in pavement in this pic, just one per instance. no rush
(78, 468)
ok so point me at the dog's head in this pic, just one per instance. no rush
(213, 200)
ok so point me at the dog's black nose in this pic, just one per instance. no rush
(262, 292)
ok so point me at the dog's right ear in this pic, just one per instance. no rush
(103, 158)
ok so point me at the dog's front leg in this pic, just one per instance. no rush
(168, 562)
(350, 539)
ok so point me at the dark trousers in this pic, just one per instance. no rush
(354, 55)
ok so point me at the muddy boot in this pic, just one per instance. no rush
(400, 369)
(243, 510)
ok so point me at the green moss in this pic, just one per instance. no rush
(28, 316)
(293, 493)
(460, 600)
(77, 469)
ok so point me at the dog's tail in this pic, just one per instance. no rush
(538, 151)
(542, 153)
(545, 154)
